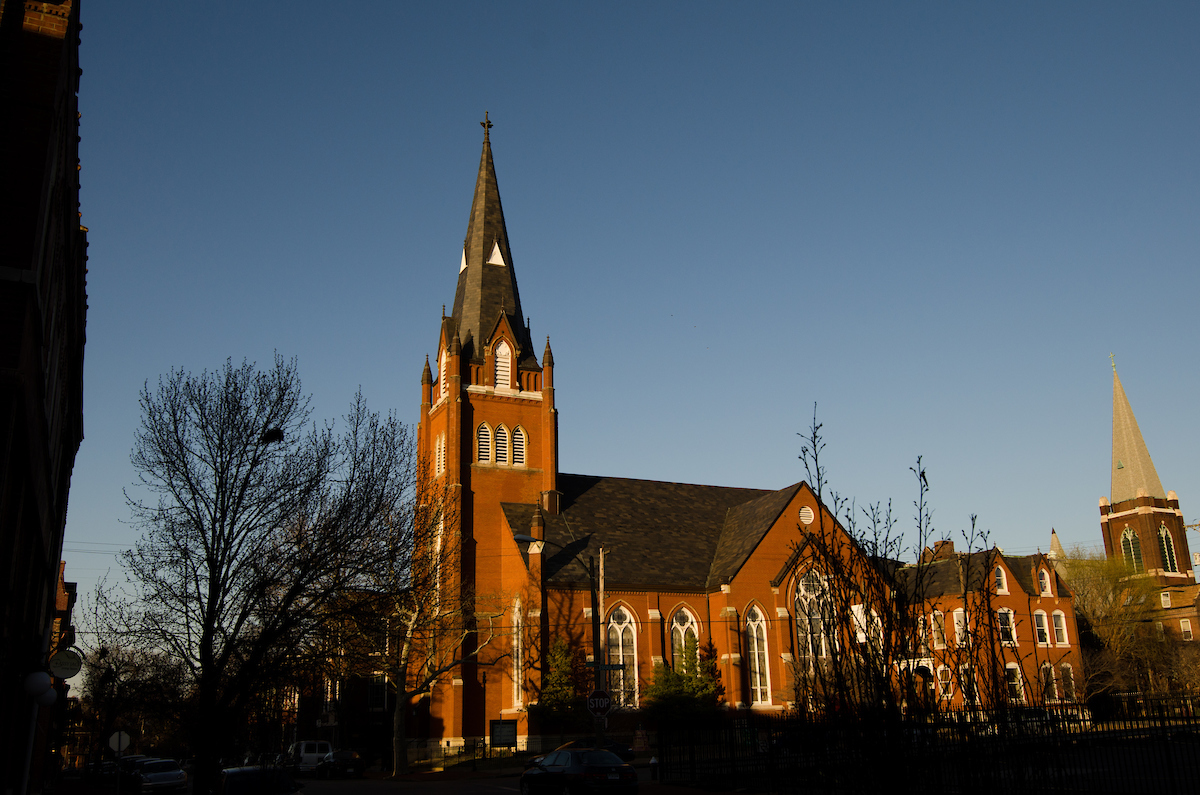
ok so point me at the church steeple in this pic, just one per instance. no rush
(487, 283)
(1133, 472)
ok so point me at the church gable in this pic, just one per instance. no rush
(745, 527)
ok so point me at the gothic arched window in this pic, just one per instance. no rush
(814, 616)
(483, 438)
(503, 365)
(622, 650)
(442, 375)
(1166, 546)
(518, 446)
(501, 444)
(756, 644)
(683, 629)
(1131, 549)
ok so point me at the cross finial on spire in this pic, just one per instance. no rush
(1113, 359)
(486, 124)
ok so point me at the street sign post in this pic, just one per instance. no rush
(118, 742)
(598, 703)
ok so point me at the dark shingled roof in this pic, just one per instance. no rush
(486, 291)
(670, 536)
(944, 577)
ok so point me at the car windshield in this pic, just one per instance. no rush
(160, 766)
(601, 758)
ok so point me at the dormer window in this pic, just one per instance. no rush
(503, 356)
(1001, 581)
(1044, 582)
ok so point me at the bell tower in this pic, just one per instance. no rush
(489, 428)
(1142, 525)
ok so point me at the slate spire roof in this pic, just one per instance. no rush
(1132, 469)
(487, 283)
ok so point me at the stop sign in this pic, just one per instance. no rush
(598, 703)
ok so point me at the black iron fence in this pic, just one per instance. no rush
(1131, 745)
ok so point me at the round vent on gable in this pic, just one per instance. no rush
(806, 515)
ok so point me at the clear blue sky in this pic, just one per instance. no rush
(933, 220)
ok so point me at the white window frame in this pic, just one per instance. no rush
(1185, 628)
(1013, 670)
(1059, 622)
(945, 683)
(938, 624)
(1067, 675)
(500, 448)
(1041, 628)
(1002, 614)
(679, 632)
(502, 374)
(962, 627)
(442, 375)
(1044, 582)
(1164, 599)
(483, 443)
(814, 611)
(519, 443)
(1049, 684)
(1000, 580)
(759, 668)
(623, 684)
(518, 642)
(1131, 549)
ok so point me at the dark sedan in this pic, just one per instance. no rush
(580, 771)
(624, 751)
(160, 775)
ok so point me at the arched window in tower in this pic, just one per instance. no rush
(501, 444)
(1166, 546)
(442, 375)
(518, 653)
(756, 644)
(683, 629)
(518, 446)
(814, 617)
(1131, 549)
(503, 356)
(440, 455)
(622, 650)
(483, 439)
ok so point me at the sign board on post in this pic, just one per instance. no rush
(598, 703)
(118, 742)
(504, 733)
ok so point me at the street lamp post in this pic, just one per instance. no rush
(597, 665)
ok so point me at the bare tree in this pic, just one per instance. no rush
(255, 525)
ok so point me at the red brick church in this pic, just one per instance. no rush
(489, 428)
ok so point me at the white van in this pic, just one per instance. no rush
(306, 753)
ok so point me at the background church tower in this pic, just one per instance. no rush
(1141, 525)
(489, 427)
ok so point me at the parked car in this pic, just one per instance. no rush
(626, 753)
(160, 775)
(256, 780)
(341, 764)
(577, 771)
(305, 754)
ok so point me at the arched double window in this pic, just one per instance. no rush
(683, 630)
(501, 444)
(503, 356)
(815, 619)
(622, 650)
(483, 443)
(1131, 549)
(1166, 547)
(756, 645)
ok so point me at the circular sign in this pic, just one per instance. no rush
(598, 703)
(119, 741)
(65, 664)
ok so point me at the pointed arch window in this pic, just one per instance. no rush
(756, 643)
(503, 356)
(1166, 546)
(440, 455)
(518, 672)
(501, 444)
(1049, 686)
(1044, 582)
(1131, 549)
(814, 616)
(622, 650)
(683, 630)
(1001, 580)
(483, 440)
(518, 446)
(442, 375)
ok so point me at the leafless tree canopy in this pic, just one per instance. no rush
(255, 523)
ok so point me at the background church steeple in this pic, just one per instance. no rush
(1132, 469)
(487, 283)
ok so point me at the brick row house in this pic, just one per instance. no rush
(725, 566)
